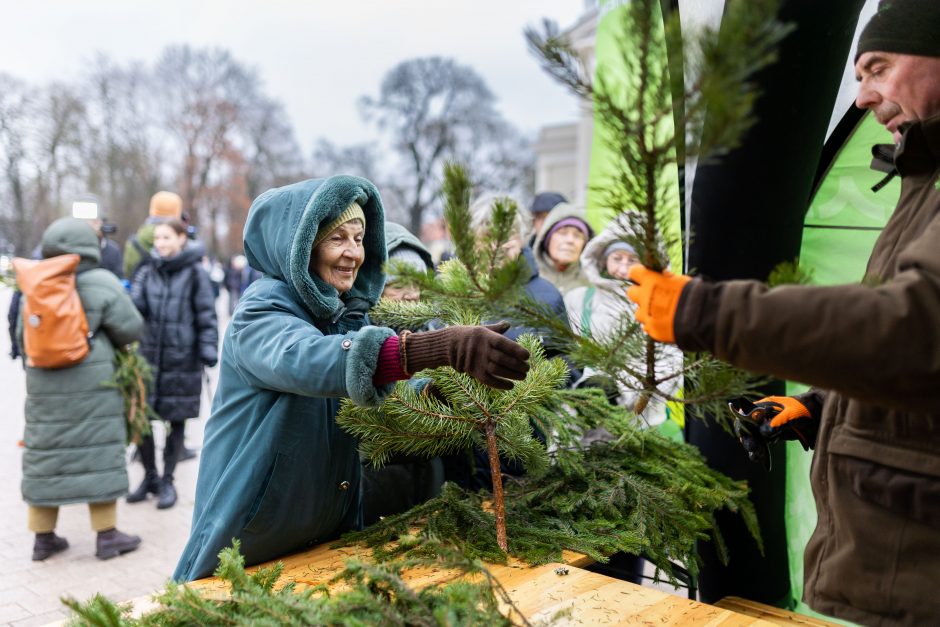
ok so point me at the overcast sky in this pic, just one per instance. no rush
(316, 56)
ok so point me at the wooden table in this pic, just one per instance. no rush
(540, 594)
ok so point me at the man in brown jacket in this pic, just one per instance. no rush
(872, 351)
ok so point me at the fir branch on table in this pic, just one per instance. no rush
(132, 377)
(642, 494)
(362, 593)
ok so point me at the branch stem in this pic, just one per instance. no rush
(498, 502)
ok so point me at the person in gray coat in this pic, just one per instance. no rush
(601, 309)
(75, 427)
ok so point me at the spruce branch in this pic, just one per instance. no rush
(132, 377)
(363, 593)
(641, 494)
(455, 412)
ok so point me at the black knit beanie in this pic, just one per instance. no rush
(903, 27)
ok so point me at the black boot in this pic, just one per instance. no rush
(47, 544)
(150, 485)
(187, 454)
(112, 543)
(167, 497)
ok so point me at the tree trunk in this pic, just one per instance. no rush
(649, 381)
(498, 502)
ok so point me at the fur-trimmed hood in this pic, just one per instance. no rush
(283, 222)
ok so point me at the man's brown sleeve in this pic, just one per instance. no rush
(877, 344)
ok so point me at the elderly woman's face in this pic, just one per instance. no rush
(565, 245)
(337, 259)
(404, 293)
(619, 263)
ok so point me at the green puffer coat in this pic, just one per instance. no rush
(276, 471)
(132, 254)
(75, 427)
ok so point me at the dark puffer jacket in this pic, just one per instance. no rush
(176, 300)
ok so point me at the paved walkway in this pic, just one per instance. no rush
(30, 591)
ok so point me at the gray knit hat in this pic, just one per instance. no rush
(903, 27)
(618, 245)
(409, 257)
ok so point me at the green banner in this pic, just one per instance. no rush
(610, 48)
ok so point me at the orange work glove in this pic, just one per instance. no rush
(657, 296)
(789, 419)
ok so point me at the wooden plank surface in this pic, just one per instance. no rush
(538, 592)
(770, 613)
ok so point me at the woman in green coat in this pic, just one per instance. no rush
(276, 471)
(75, 428)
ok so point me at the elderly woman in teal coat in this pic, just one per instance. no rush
(276, 471)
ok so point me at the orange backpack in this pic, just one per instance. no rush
(55, 330)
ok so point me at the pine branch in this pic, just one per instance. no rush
(132, 377)
(458, 414)
(641, 494)
(370, 594)
(456, 190)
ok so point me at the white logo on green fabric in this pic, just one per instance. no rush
(850, 196)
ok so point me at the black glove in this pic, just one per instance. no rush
(481, 352)
(771, 419)
(208, 356)
(786, 418)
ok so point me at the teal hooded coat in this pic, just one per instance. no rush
(276, 471)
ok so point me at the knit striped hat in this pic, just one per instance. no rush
(352, 212)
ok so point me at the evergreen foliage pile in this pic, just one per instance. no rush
(640, 494)
(364, 593)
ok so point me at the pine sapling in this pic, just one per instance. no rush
(650, 105)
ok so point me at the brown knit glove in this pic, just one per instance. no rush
(480, 352)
